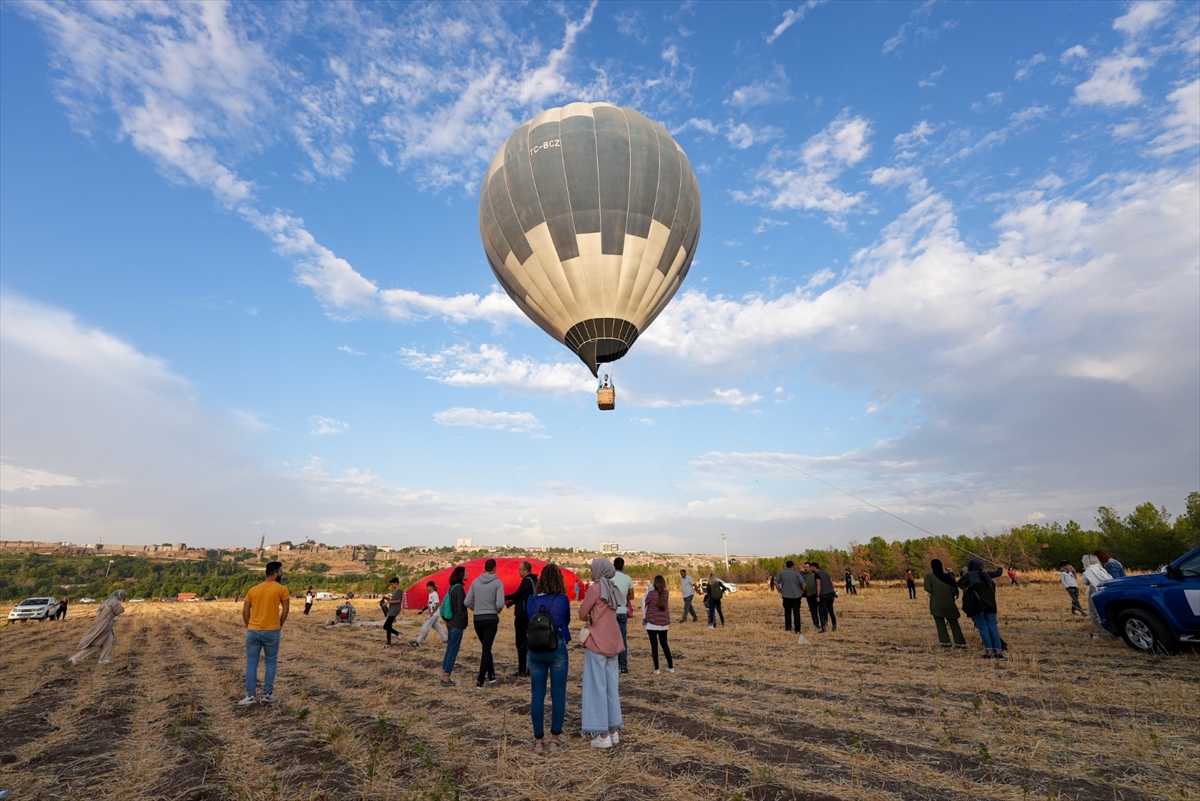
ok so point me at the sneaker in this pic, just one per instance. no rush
(268, 698)
(601, 741)
(415, 643)
(448, 682)
(492, 680)
(624, 670)
(479, 686)
(657, 671)
(615, 737)
(247, 701)
(712, 627)
(670, 670)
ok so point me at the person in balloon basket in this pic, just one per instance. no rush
(486, 600)
(624, 585)
(548, 657)
(517, 600)
(602, 645)
(264, 612)
(454, 612)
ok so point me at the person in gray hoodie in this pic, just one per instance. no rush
(486, 599)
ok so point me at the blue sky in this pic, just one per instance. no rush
(950, 264)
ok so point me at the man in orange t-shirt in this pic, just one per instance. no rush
(264, 612)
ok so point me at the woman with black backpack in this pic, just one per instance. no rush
(546, 638)
(979, 604)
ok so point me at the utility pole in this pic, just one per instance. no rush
(110, 564)
(261, 540)
(725, 545)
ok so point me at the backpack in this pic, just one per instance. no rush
(716, 590)
(542, 635)
(446, 612)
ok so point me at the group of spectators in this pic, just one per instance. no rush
(809, 584)
(1098, 568)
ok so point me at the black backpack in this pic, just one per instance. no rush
(542, 636)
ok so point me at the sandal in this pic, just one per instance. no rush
(553, 746)
(538, 747)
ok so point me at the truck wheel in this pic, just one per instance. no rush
(1145, 631)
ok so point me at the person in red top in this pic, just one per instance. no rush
(656, 619)
(264, 612)
(601, 700)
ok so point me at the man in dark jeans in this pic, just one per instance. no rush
(791, 587)
(486, 598)
(825, 596)
(810, 592)
(518, 601)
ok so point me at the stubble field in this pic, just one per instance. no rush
(875, 711)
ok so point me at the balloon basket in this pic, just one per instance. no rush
(606, 399)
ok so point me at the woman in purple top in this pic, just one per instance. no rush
(601, 701)
(550, 597)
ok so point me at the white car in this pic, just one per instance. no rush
(87, 600)
(326, 596)
(34, 609)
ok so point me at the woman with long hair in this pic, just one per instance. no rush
(456, 597)
(601, 699)
(656, 618)
(550, 597)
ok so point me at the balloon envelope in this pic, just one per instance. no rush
(590, 216)
(416, 596)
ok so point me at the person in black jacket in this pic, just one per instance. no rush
(980, 582)
(518, 601)
(825, 597)
(456, 624)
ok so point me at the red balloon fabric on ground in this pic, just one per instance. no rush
(416, 596)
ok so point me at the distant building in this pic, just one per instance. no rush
(463, 544)
(610, 547)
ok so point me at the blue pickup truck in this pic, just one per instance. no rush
(1156, 612)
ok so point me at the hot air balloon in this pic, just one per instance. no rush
(590, 215)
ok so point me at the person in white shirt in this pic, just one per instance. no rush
(624, 585)
(434, 621)
(1066, 575)
(687, 591)
(1093, 576)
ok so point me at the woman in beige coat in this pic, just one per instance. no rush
(100, 636)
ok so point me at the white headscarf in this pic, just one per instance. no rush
(602, 573)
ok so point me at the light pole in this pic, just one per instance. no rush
(725, 545)
(110, 564)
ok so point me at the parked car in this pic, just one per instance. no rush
(87, 600)
(327, 596)
(34, 609)
(138, 601)
(730, 587)
(1155, 612)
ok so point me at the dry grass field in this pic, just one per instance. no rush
(875, 711)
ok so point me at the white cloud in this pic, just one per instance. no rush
(917, 135)
(13, 477)
(1025, 66)
(670, 55)
(930, 80)
(804, 179)
(767, 91)
(790, 17)
(468, 417)
(1074, 53)
(917, 29)
(1114, 82)
(350, 350)
(324, 426)
(1141, 17)
(1183, 124)
(767, 223)
(490, 366)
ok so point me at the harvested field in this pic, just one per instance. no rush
(875, 711)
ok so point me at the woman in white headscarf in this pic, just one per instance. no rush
(1093, 576)
(99, 638)
(601, 701)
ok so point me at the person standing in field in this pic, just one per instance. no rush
(601, 672)
(714, 591)
(1012, 578)
(551, 598)
(911, 581)
(791, 587)
(1094, 576)
(810, 593)
(687, 591)
(309, 597)
(60, 612)
(454, 612)
(850, 588)
(825, 597)
(981, 583)
(518, 601)
(394, 601)
(99, 638)
(943, 592)
(264, 612)
(434, 619)
(624, 585)
(1111, 566)
(656, 619)
(1066, 574)
(486, 600)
